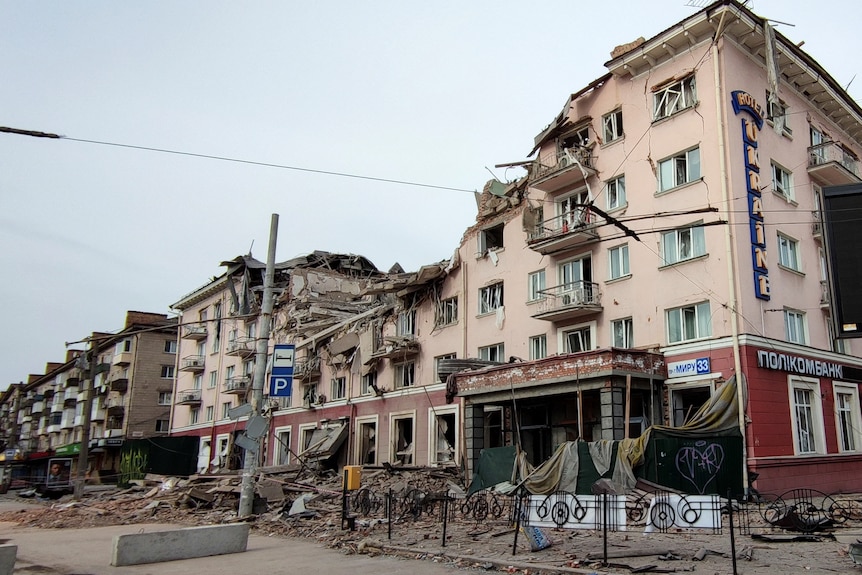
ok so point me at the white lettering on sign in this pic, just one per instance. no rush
(688, 367)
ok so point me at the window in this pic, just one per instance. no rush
(490, 239)
(198, 381)
(578, 339)
(123, 346)
(794, 326)
(616, 192)
(782, 182)
(163, 425)
(437, 361)
(847, 417)
(282, 446)
(167, 372)
(538, 346)
(674, 98)
(806, 415)
(338, 388)
(213, 379)
(165, 397)
(490, 298)
(776, 113)
(170, 346)
(194, 415)
(447, 311)
(683, 244)
(248, 368)
(369, 383)
(406, 323)
(225, 409)
(573, 212)
(535, 285)
(202, 349)
(309, 394)
(622, 333)
(678, 170)
(619, 261)
(443, 435)
(401, 431)
(404, 374)
(210, 412)
(688, 323)
(217, 335)
(788, 253)
(366, 441)
(818, 149)
(492, 352)
(612, 126)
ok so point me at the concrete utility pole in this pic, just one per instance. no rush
(246, 496)
(89, 384)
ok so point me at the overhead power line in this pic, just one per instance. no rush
(228, 159)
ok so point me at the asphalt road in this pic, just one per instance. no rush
(87, 551)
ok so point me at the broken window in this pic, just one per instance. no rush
(402, 440)
(407, 323)
(612, 124)
(404, 374)
(578, 139)
(369, 383)
(576, 340)
(491, 239)
(492, 352)
(572, 212)
(490, 298)
(309, 394)
(443, 434)
(776, 114)
(674, 97)
(615, 190)
(437, 361)
(339, 388)
(494, 427)
(367, 438)
(282, 448)
(447, 311)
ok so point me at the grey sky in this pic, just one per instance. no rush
(427, 92)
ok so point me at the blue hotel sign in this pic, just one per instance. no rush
(744, 102)
(281, 378)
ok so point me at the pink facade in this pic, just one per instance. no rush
(666, 230)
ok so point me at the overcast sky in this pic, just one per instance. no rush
(434, 93)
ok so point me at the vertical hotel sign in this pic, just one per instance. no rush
(752, 122)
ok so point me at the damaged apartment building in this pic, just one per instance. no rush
(664, 240)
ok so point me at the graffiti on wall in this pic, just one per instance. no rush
(700, 463)
(133, 465)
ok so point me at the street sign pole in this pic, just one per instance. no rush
(246, 495)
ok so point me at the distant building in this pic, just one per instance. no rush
(131, 399)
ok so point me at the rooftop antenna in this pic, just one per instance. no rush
(847, 87)
(492, 173)
(249, 248)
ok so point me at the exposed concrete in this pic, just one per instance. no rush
(154, 547)
(8, 554)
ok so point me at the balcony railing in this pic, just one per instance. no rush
(831, 164)
(568, 301)
(193, 363)
(122, 358)
(241, 347)
(563, 232)
(306, 368)
(237, 385)
(195, 331)
(120, 384)
(189, 397)
(567, 169)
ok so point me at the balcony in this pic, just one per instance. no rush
(122, 358)
(37, 408)
(98, 413)
(195, 363)
(567, 169)
(116, 410)
(829, 164)
(120, 384)
(54, 428)
(397, 346)
(569, 301)
(562, 233)
(241, 347)
(817, 226)
(824, 294)
(70, 402)
(306, 369)
(189, 397)
(73, 382)
(195, 331)
(237, 385)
